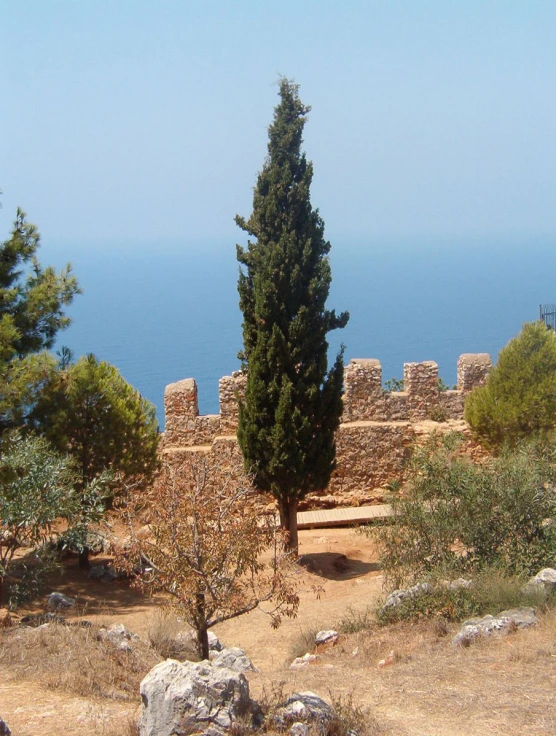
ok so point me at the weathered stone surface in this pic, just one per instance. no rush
(397, 596)
(103, 573)
(456, 584)
(56, 601)
(4, 730)
(421, 385)
(230, 389)
(304, 707)
(473, 369)
(184, 698)
(375, 437)
(546, 579)
(505, 622)
(299, 729)
(118, 635)
(326, 637)
(300, 662)
(234, 659)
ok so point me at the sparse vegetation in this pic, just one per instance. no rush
(164, 636)
(73, 660)
(456, 517)
(355, 621)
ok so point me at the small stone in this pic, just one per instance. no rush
(59, 600)
(299, 729)
(304, 661)
(4, 730)
(326, 637)
(387, 661)
(103, 573)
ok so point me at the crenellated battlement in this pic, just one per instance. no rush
(374, 440)
(364, 399)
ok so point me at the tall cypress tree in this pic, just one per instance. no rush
(293, 402)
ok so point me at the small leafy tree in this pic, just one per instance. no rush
(37, 489)
(454, 516)
(32, 303)
(292, 403)
(204, 550)
(518, 399)
(91, 412)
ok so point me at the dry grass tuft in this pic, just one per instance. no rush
(304, 642)
(70, 658)
(164, 632)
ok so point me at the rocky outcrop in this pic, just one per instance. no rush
(545, 579)
(305, 707)
(515, 618)
(57, 601)
(184, 698)
(398, 596)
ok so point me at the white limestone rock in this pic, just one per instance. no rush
(233, 659)
(191, 697)
(56, 601)
(326, 637)
(473, 628)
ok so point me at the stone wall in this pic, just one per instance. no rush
(377, 430)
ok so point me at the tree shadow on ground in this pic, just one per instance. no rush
(336, 566)
(93, 597)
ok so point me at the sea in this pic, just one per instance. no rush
(160, 314)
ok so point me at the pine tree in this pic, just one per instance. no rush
(293, 402)
(32, 304)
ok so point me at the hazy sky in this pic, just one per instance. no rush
(134, 121)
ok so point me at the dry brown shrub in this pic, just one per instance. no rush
(72, 659)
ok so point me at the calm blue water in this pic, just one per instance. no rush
(161, 316)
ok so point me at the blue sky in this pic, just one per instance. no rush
(129, 122)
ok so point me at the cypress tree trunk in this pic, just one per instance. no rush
(288, 522)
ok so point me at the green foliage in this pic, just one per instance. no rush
(492, 590)
(32, 302)
(90, 411)
(292, 403)
(394, 384)
(37, 489)
(355, 621)
(519, 397)
(455, 516)
(398, 384)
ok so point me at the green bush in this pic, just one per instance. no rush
(455, 517)
(519, 397)
(491, 591)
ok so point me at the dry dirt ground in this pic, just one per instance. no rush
(505, 686)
